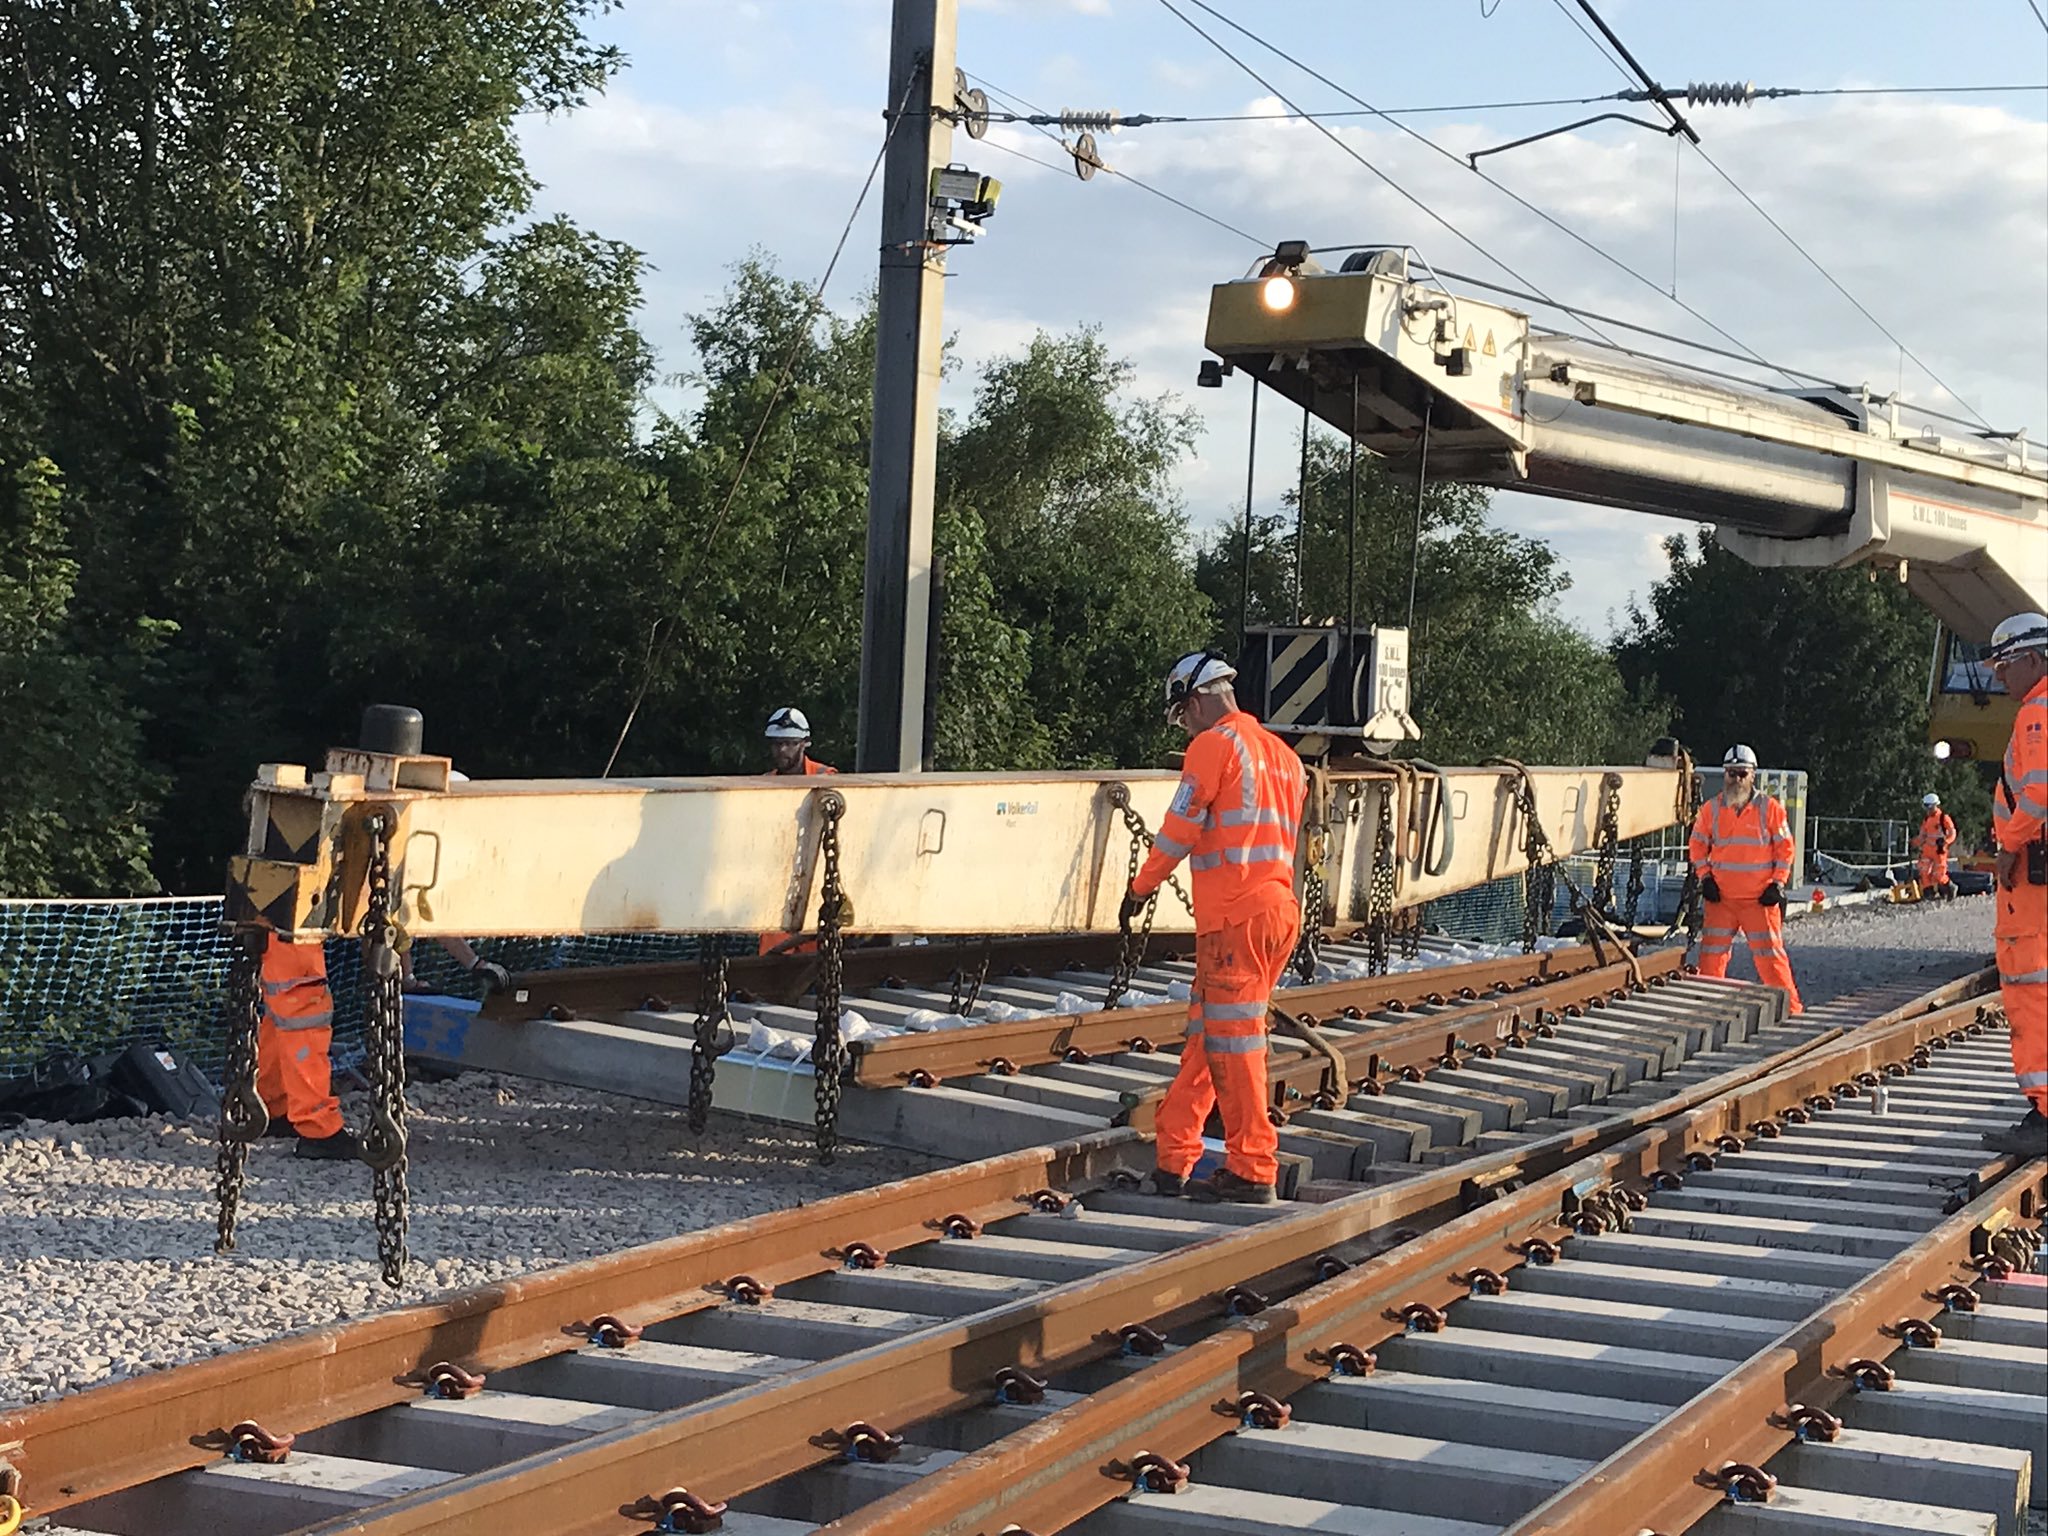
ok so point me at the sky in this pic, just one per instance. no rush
(749, 125)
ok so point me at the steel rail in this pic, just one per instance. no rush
(113, 1437)
(732, 1444)
(1080, 1458)
(1040, 1042)
(1669, 1477)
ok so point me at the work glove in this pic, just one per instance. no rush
(1772, 895)
(1710, 888)
(493, 975)
(1132, 909)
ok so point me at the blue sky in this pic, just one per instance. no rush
(750, 125)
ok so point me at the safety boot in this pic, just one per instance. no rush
(341, 1145)
(2025, 1137)
(1226, 1188)
(1170, 1185)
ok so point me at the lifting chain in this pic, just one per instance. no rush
(965, 997)
(1315, 834)
(1131, 954)
(384, 1045)
(242, 1116)
(1608, 845)
(828, 1054)
(1539, 880)
(713, 1012)
(1411, 933)
(1379, 917)
(1635, 882)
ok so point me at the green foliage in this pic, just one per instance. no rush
(1495, 671)
(1821, 670)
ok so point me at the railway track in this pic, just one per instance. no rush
(1019, 1343)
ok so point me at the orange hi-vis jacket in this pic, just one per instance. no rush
(295, 992)
(1235, 818)
(2019, 806)
(1744, 850)
(1939, 827)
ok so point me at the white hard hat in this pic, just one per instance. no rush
(1192, 674)
(1930, 801)
(1739, 756)
(2021, 632)
(788, 724)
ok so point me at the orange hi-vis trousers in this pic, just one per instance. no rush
(1764, 927)
(293, 1072)
(1223, 1064)
(2020, 936)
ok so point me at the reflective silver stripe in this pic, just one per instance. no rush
(1236, 1010)
(1251, 819)
(2024, 978)
(1234, 1045)
(1743, 866)
(1263, 853)
(279, 988)
(1172, 847)
(1247, 771)
(1743, 842)
(2033, 1079)
(1717, 933)
(318, 1020)
(2026, 780)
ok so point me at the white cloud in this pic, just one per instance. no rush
(1935, 215)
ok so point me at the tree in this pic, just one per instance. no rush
(232, 305)
(74, 795)
(1493, 669)
(1817, 669)
(1085, 549)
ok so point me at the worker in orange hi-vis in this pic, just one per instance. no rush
(1235, 818)
(293, 1071)
(2019, 820)
(789, 750)
(1937, 836)
(1741, 849)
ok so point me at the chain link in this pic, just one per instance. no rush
(384, 1139)
(1379, 916)
(1308, 953)
(1131, 950)
(965, 997)
(828, 1053)
(713, 1010)
(1635, 881)
(1608, 846)
(242, 1116)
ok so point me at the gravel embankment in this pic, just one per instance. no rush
(106, 1241)
(106, 1231)
(1853, 947)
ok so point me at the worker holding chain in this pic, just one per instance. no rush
(1741, 848)
(1236, 818)
(2019, 821)
(1937, 836)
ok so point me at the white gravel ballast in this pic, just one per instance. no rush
(106, 1230)
(107, 1266)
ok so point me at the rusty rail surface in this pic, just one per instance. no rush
(1672, 1475)
(116, 1436)
(1040, 1042)
(746, 1439)
(1079, 1458)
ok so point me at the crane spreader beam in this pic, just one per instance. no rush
(918, 854)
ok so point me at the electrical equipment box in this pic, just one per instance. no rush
(1327, 682)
